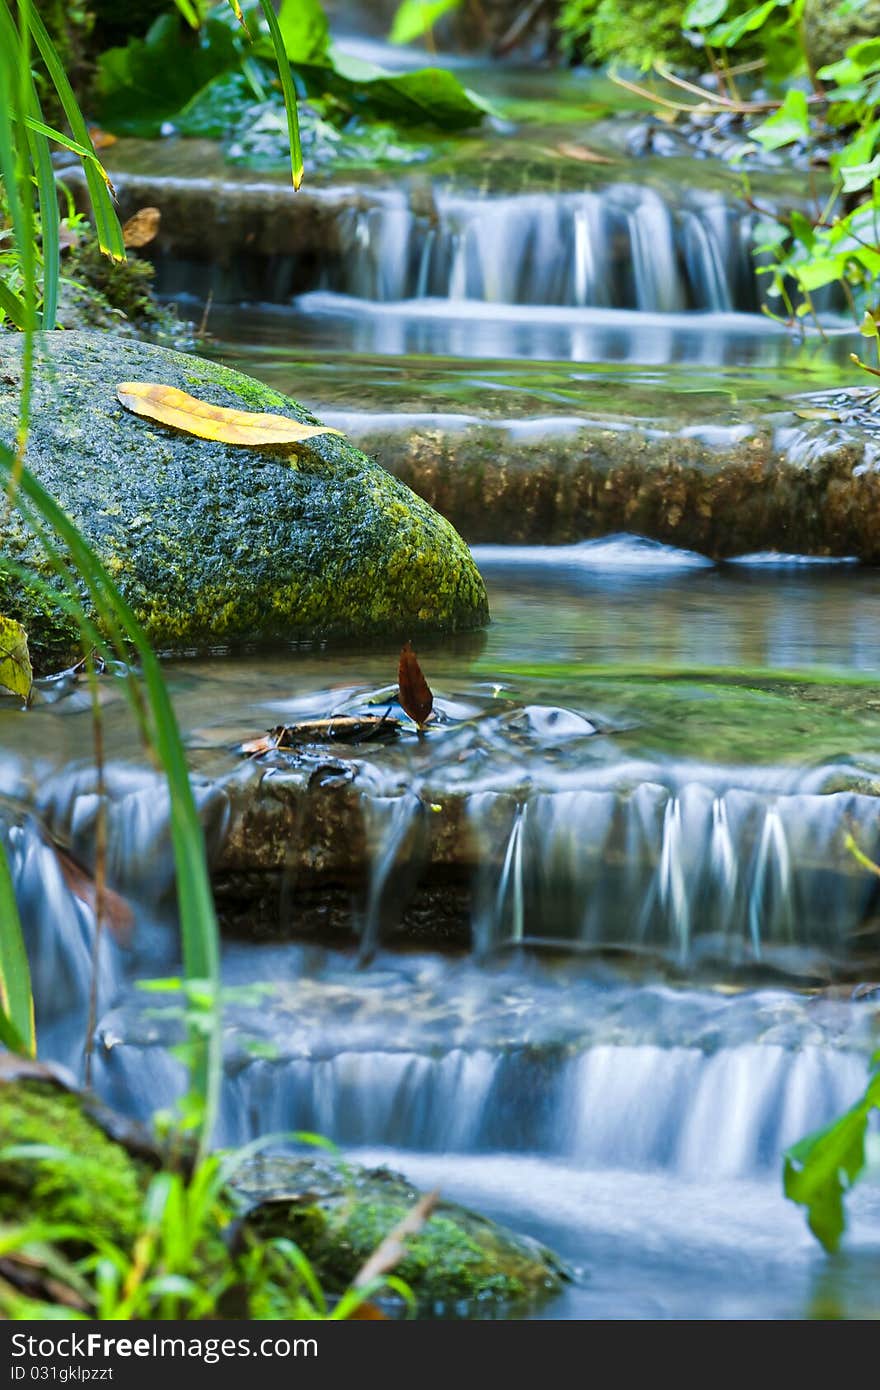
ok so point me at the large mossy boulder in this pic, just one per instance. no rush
(338, 1214)
(832, 26)
(214, 544)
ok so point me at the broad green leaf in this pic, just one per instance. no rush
(861, 60)
(304, 30)
(728, 35)
(858, 176)
(15, 662)
(790, 123)
(820, 1169)
(144, 84)
(415, 17)
(701, 13)
(822, 270)
(802, 230)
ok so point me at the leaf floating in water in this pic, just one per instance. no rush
(414, 692)
(141, 229)
(16, 675)
(169, 406)
(117, 914)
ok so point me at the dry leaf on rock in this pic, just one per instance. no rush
(169, 406)
(15, 662)
(141, 229)
(414, 692)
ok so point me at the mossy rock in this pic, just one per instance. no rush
(831, 27)
(338, 1215)
(82, 1180)
(212, 544)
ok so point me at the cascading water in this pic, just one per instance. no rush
(622, 247)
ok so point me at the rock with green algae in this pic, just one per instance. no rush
(830, 27)
(212, 544)
(339, 1214)
(81, 1179)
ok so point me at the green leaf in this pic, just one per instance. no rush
(861, 60)
(802, 230)
(820, 1169)
(144, 84)
(729, 35)
(790, 123)
(701, 13)
(415, 17)
(426, 97)
(822, 270)
(305, 33)
(858, 176)
(15, 662)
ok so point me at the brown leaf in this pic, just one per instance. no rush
(117, 914)
(582, 153)
(414, 692)
(141, 229)
(367, 1312)
(181, 411)
(101, 139)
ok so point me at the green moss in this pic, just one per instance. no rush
(458, 1259)
(92, 1182)
(626, 31)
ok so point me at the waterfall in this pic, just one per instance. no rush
(626, 246)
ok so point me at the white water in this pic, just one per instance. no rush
(625, 246)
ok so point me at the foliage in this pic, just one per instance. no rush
(635, 32)
(770, 31)
(821, 1169)
(413, 18)
(835, 241)
(158, 80)
(24, 164)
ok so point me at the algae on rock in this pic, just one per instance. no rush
(338, 1215)
(213, 545)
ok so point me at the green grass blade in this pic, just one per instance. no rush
(16, 1000)
(106, 223)
(287, 87)
(199, 933)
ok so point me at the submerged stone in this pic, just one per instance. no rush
(212, 544)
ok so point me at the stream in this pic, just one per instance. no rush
(590, 954)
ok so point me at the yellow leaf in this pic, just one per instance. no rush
(15, 661)
(183, 412)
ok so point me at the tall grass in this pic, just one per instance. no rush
(105, 619)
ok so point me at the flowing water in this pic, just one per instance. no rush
(591, 953)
